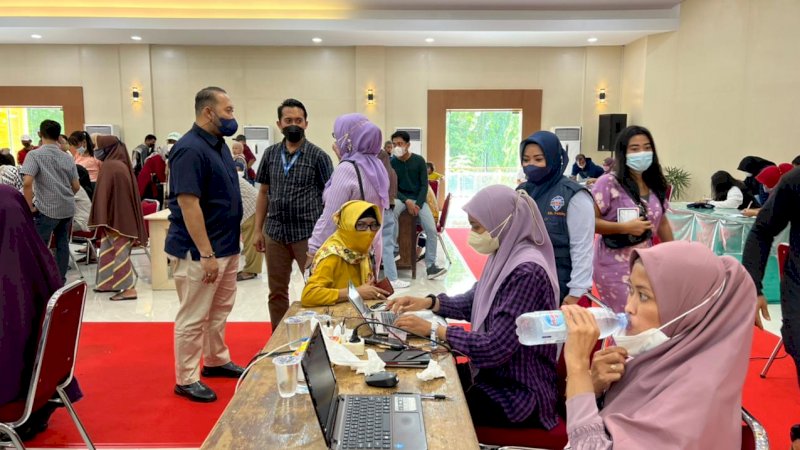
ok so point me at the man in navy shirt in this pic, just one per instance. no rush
(203, 242)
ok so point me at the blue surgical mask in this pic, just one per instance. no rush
(100, 154)
(639, 162)
(535, 174)
(227, 127)
(81, 150)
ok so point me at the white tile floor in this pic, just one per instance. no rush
(251, 301)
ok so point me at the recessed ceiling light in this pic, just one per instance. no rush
(429, 40)
(592, 40)
(36, 36)
(136, 38)
(316, 40)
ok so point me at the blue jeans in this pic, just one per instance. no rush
(59, 228)
(389, 237)
(425, 218)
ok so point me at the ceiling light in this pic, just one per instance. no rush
(429, 40)
(316, 40)
(592, 40)
(36, 36)
(136, 38)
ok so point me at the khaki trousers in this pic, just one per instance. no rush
(253, 259)
(279, 272)
(202, 314)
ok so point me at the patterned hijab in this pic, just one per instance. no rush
(348, 243)
(359, 140)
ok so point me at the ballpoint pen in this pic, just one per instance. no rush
(426, 396)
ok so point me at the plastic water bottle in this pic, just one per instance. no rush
(548, 327)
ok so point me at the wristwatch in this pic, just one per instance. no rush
(433, 301)
(209, 256)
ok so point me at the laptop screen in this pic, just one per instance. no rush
(357, 301)
(321, 382)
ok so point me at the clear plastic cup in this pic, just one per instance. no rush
(297, 327)
(286, 367)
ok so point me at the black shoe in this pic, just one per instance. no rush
(229, 370)
(196, 392)
(435, 271)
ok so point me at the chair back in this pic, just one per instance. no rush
(783, 255)
(668, 193)
(54, 363)
(149, 206)
(443, 213)
(435, 186)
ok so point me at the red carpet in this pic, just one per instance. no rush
(126, 372)
(774, 401)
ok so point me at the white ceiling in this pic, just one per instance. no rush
(452, 23)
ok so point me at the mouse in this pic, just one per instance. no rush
(383, 379)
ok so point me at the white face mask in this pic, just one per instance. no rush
(398, 151)
(484, 243)
(652, 338)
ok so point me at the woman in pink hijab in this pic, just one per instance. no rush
(675, 380)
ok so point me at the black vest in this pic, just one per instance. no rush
(553, 205)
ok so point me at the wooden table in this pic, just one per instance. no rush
(158, 224)
(257, 418)
(407, 243)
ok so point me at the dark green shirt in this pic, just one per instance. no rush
(412, 179)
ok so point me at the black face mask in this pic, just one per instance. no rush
(293, 133)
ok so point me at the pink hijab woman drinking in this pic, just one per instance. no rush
(675, 380)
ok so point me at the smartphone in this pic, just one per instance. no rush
(380, 306)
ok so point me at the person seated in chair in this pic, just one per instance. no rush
(506, 384)
(29, 277)
(345, 257)
(675, 379)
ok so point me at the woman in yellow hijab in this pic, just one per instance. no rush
(344, 257)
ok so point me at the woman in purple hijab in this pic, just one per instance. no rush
(506, 384)
(28, 276)
(675, 380)
(359, 176)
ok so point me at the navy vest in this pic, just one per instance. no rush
(553, 205)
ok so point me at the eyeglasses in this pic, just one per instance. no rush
(361, 226)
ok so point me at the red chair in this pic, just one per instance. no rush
(783, 255)
(435, 186)
(54, 363)
(149, 206)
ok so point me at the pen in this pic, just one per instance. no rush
(426, 396)
(751, 204)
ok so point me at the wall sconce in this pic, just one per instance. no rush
(370, 97)
(135, 97)
(601, 96)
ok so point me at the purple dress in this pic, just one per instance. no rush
(612, 266)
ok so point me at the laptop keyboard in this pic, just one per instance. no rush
(387, 317)
(367, 423)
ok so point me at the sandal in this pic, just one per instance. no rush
(119, 297)
(244, 276)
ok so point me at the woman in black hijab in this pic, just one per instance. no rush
(752, 166)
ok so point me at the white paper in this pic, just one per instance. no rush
(627, 214)
(341, 356)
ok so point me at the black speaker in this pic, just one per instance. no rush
(610, 127)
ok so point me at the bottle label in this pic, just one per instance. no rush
(554, 320)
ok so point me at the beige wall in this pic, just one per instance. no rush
(329, 80)
(725, 85)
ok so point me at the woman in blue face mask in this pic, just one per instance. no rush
(630, 205)
(567, 210)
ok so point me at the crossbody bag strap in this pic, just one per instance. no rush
(358, 174)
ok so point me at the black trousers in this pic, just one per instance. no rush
(484, 410)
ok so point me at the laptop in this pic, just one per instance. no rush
(386, 317)
(359, 421)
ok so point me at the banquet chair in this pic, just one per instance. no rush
(53, 364)
(443, 213)
(783, 254)
(89, 238)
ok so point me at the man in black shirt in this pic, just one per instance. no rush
(292, 174)
(780, 210)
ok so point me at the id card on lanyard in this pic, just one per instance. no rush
(287, 165)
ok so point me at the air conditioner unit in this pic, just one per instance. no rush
(259, 138)
(570, 138)
(107, 129)
(416, 138)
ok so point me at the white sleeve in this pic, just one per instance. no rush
(735, 198)
(580, 223)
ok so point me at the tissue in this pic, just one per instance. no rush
(433, 371)
(341, 356)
